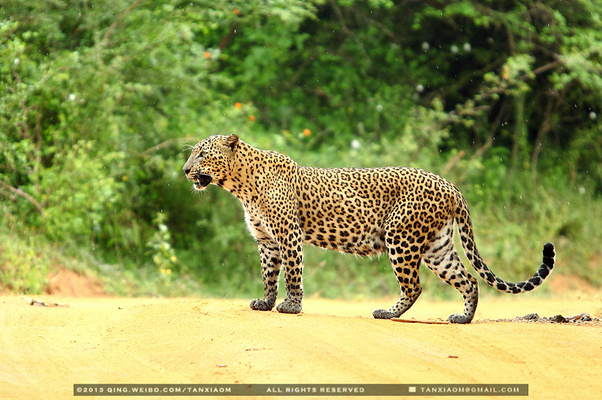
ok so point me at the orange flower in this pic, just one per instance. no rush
(306, 132)
(207, 55)
(506, 72)
(236, 11)
(252, 118)
(237, 105)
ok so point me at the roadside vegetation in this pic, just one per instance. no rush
(100, 101)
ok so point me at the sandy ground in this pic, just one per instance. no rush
(45, 350)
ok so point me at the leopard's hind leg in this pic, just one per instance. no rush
(442, 258)
(404, 254)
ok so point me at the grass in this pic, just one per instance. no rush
(27, 263)
(24, 266)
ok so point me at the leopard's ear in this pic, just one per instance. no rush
(232, 141)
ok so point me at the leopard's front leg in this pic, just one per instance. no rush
(276, 228)
(291, 249)
(269, 254)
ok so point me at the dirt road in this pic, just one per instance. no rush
(45, 350)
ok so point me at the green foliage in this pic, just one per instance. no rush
(91, 209)
(99, 101)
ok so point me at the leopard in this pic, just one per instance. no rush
(408, 213)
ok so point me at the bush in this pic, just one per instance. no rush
(98, 104)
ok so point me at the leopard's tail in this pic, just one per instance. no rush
(462, 217)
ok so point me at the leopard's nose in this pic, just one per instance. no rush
(186, 170)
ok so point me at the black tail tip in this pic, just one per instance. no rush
(548, 250)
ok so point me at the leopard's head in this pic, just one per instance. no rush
(210, 161)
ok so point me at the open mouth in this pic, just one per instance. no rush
(201, 181)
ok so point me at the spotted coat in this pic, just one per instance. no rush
(404, 212)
